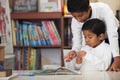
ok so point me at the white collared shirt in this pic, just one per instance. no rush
(98, 58)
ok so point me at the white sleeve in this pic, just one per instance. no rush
(112, 25)
(76, 66)
(77, 35)
(100, 63)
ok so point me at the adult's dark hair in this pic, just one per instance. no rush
(77, 5)
(95, 25)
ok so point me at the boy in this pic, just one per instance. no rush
(81, 11)
(96, 54)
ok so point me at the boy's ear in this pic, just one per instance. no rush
(89, 7)
(101, 36)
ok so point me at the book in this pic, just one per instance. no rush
(25, 35)
(37, 40)
(59, 4)
(49, 7)
(13, 32)
(47, 32)
(17, 34)
(25, 5)
(46, 35)
(56, 32)
(42, 36)
(51, 33)
(18, 59)
(32, 59)
(5, 72)
(57, 71)
(21, 35)
(32, 35)
(27, 57)
(38, 59)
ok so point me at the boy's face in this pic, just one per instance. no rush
(82, 16)
(92, 39)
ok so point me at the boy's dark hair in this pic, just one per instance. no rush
(95, 25)
(77, 5)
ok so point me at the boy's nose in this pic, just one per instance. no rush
(79, 19)
(86, 40)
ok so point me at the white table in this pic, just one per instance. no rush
(103, 75)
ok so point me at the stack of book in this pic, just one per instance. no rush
(5, 72)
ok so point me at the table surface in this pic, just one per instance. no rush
(98, 75)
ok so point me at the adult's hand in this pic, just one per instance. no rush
(115, 65)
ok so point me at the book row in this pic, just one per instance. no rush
(27, 59)
(27, 33)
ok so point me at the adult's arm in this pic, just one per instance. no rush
(112, 25)
(77, 35)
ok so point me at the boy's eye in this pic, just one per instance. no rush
(80, 15)
(90, 37)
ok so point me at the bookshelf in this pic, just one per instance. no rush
(67, 39)
(36, 17)
(2, 56)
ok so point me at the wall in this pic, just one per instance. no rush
(93, 0)
(114, 4)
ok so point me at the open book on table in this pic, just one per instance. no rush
(57, 71)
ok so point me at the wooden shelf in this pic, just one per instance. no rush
(2, 56)
(67, 47)
(68, 16)
(2, 53)
(36, 15)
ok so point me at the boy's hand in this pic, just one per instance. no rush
(81, 53)
(79, 60)
(69, 56)
(79, 56)
(115, 65)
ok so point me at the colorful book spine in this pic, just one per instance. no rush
(13, 32)
(46, 35)
(47, 32)
(56, 32)
(32, 59)
(32, 35)
(25, 35)
(25, 59)
(37, 38)
(51, 32)
(38, 59)
(21, 34)
(42, 37)
(17, 32)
